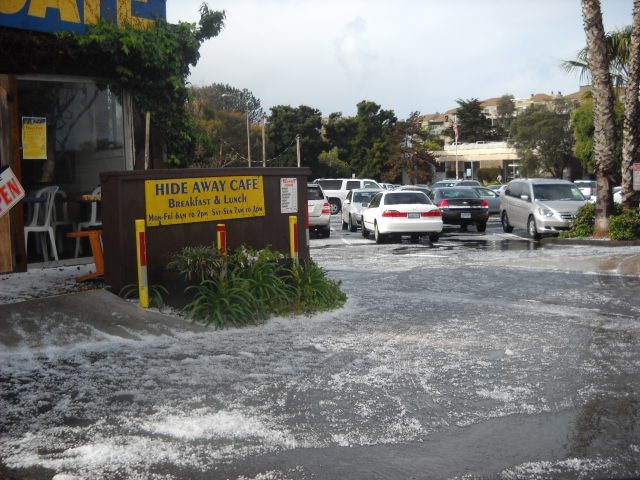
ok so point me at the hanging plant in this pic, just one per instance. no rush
(153, 66)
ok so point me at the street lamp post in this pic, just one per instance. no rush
(264, 143)
(248, 138)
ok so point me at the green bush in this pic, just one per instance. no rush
(488, 176)
(248, 285)
(625, 226)
(583, 224)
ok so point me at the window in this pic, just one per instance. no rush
(353, 184)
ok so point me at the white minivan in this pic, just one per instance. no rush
(542, 206)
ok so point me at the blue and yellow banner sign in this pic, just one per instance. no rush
(207, 199)
(75, 15)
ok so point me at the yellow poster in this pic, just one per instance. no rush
(207, 199)
(34, 138)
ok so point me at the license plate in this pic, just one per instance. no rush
(414, 215)
(465, 215)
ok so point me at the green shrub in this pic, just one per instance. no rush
(488, 176)
(625, 226)
(583, 224)
(224, 303)
(199, 263)
(314, 291)
(248, 285)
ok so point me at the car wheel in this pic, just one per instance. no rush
(351, 226)
(434, 237)
(335, 206)
(380, 238)
(532, 229)
(326, 231)
(481, 227)
(365, 232)
(506, 228)
(344, 225)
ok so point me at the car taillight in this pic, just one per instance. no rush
(393, 213)
(432, 213)
(326, 208)
(443, 203)
(485, 204)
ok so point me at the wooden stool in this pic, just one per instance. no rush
(96, 250)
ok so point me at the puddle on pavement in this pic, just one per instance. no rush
(489, 245)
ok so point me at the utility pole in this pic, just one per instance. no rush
(248, 138)
(264, 143)
(298, 148)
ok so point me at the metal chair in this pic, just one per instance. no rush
(95, 219)
(42, 221)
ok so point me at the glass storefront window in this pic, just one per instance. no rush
(84, 130)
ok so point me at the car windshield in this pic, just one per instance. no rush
(459, 193)
(363, 197)
(557, 192)
(314, 194)
(400, 198)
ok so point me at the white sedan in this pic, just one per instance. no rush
(397, 213)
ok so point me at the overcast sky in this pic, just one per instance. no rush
(405, 55)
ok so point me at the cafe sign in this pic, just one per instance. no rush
(11, 192)
(206, 199)
(76, 15)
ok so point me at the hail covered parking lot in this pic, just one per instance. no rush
(478, 356)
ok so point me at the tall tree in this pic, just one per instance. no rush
(631, 129)
(411, 152)
(285, 123)
(207, 100)
(618, 47)
(604, 139)
(373, 139)
(543, 138)
(473, 124)
(506, 109)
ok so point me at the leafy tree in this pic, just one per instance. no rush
(543, 139)
(506, 109)
(473, 124)
(220, 112)
(206, 101)
(153, 66)
(617, 46)
(285, 123)
(604, 120)
(332, 165)
(583, 129)
(373, 139)
(411, 152)
(339, 133)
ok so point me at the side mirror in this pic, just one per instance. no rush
(524, 197)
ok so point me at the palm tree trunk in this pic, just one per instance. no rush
(604, 137)
(631, 129)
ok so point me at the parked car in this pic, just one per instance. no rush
(587, 188)
(542, 206)
(419, 188)
(455, 183)
(319, 210)
(397, 213)
(462, 206)
(388, 186)
(617, 194)
(353, 205)
(336, 189)
(491, 197)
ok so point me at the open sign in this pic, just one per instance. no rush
(11, 192)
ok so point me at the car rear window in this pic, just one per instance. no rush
(363, 197)
(314, 193)
(400, 198)
(459, 193)
(330, 184)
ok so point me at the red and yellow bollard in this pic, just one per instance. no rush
(221, 239)
(141, 249)
(293, 239)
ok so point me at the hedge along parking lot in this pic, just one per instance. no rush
(428, 371)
